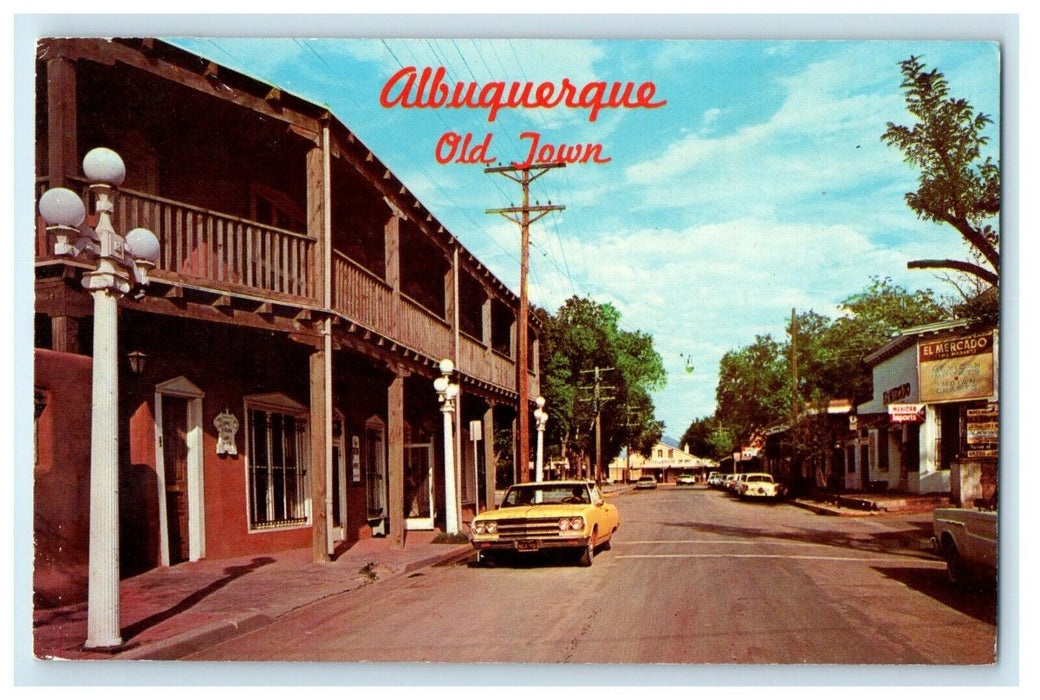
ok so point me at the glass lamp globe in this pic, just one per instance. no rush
(539, 402)
(447, 366)
(440, 384)
(143, 245)
(104, 166)
(62, 207)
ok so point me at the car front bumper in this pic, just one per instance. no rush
(529, 544)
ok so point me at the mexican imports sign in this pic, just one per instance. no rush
(956, 368)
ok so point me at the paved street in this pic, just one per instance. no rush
(693, 577)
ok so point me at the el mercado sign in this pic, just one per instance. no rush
(956, 368)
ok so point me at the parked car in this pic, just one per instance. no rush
(967, 539)
(715, 480)
(547, 515)
(759, 485)
(686, 480)
(646, 482)
(733, 482)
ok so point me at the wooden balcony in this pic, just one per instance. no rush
(367, 299)
(207, 249)
(482, 363)
(421, 330)
(361, 296)
(214, 251)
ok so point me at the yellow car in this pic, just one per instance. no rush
(547, 515)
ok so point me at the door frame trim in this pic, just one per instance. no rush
(182, 387)
(428, 522)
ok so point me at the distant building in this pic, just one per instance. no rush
(666, 462)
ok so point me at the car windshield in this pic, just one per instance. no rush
(760, 477)
(536, 494)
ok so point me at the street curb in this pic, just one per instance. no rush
(434, 559)
(818, 509)
(191, 641)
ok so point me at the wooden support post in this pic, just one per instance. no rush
(489, 457)
(320, 437)
(65, 334)
(62, 147)
(395, 449)
(392, 234)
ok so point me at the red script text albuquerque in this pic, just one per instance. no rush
(431, 91)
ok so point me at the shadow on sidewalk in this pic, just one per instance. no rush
(230, 574)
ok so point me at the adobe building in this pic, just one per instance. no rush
(932, 425)
(290, 336)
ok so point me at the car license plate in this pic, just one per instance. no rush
(527, 546)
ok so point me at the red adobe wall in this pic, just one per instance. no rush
(61, 479)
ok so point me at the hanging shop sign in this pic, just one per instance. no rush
(906, 412)
(956, 368)
(983, 431)
(355, 458)
(227, 427)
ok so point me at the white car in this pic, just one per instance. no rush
(732, 482)
(715, 480)
(686, 480)
(759, 485)
(646, 482)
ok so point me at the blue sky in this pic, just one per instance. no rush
(761, 186)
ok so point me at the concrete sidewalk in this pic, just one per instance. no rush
(852, 505)
(169, 612)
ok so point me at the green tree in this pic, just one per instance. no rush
(832, 353)
(754, 388)
(956, 186)
(584, 335)
(706, 437)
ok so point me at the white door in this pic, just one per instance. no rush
(418, 486)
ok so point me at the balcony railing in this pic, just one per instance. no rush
(360, 295)
(214, 250)
(222, 250)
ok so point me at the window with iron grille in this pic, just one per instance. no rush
(279, 490)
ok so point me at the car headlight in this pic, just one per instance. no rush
(575, 523)
(488, 528)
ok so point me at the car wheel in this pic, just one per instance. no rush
(956, 571)
(605, 547)
(589, 552)
(487, 559)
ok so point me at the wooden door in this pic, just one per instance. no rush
(175, 467)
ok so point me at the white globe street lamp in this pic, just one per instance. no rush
(540, 418)
(447, 392)
(122, 264)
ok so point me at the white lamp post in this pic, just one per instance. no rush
(122, 264)
(446, 394)
(540, 418)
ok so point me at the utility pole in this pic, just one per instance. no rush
(794, 369)
(523, 215)
(597, 404)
